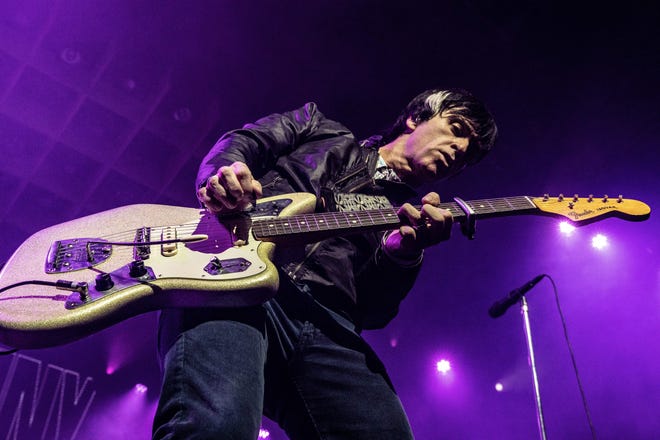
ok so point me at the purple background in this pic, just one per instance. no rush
(108, 103)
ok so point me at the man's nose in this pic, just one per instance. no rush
(460, 144)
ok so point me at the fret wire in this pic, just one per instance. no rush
(349, 220)
(321, 223)
(334, 217)
(300, 222)
(278, 226)
(339, 219)
(323, 220)
(282, 226)
(316, 222)
(353, 219)
(305, 225)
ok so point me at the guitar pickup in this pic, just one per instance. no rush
(168, 249)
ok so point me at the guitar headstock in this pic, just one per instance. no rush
(591, 209)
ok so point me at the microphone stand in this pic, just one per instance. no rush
(532, 363)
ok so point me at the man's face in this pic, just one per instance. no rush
(435, 148)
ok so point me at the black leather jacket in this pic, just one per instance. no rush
(303, 151)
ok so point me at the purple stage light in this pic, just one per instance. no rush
(140, 388)
(599, 241)
(566, 228)
(443, 366)
(70, 56)
(182, 115)
(394, 342)
(263, 433)
(499, 387)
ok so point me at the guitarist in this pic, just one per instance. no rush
(299, 358)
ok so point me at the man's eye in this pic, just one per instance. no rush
(458, 130)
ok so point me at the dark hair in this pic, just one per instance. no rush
(455, 103)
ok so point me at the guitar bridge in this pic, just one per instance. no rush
(142, 251)
(75, 254)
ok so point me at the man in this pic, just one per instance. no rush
(299, 358)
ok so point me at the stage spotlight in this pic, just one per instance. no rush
(70, 56)
(263, 433)
(140, 388)
(394, 342)
(130, 84)
(182, 115)
(599, 241)
(499, 387)
(443, 366)
(566, 228)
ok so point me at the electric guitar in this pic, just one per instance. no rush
(70, 280)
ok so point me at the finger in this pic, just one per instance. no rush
(251, 197)
(408, 233)
(409, 215)
(215, 189)
(257, 190)
(243, 175)
(436, 214)
(210, 203)
(438, 223)
(431, 198)
(232, 186)
(252, 189)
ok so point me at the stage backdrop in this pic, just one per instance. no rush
(110, 103)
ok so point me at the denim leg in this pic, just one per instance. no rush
(213, 375)
(323, 382)
(341, 394)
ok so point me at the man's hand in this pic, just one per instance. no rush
(232, 189)
(421, 229)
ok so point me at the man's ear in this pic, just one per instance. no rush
(411, 125)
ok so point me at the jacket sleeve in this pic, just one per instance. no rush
(382, 285)
(260, 144)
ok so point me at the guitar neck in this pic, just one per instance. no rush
(316, 226)
(487, 208)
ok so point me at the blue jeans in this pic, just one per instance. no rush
(291, 359)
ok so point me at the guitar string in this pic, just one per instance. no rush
(343, 220)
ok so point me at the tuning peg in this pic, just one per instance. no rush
(560, 198)
(620, 199)
(591, 198)
(605, 198)
(546, 197)
(575, 197)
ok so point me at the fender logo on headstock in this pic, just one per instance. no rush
(580, 209)
(587, 212)
(578, 215)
